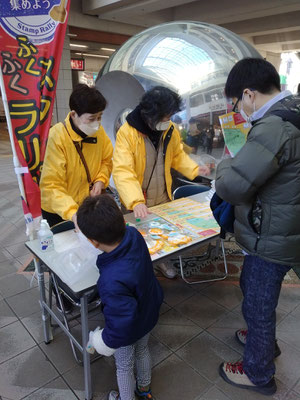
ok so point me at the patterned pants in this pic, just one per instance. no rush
(126, 358)
(260, 283)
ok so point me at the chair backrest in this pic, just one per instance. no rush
(62, 227)
(189, 190)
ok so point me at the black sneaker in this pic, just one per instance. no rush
(143, 394)
(241, 337)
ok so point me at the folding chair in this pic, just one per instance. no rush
(189, 190)
(62, 290)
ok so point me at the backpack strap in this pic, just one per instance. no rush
(291, 111)
(80, 153)
(290, 116)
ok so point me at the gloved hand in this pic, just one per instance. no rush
(96, 343)
(90, 344)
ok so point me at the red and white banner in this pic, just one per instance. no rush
(32, 35)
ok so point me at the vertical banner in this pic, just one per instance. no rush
(32, 34)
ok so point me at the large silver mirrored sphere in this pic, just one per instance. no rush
(193, 59)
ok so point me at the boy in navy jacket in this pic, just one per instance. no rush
(130, 293)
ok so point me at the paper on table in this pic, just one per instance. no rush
(75, 264)
(75, 255)
(86, 245)
(65, 241)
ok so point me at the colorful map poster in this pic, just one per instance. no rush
(189, 214)
(235, 130)
(177, 224)
(162, 237)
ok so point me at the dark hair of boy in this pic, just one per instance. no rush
(254, 74)
(85, 99)
(158, 103)
(99, 218)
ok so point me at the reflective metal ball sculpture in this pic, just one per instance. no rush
(191, 58)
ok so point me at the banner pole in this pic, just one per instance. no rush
(16, 161)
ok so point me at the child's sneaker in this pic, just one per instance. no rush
(113, 395)
(143, 393)
(241, 336)
(234, 374)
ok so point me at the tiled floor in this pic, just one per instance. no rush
(194, 335)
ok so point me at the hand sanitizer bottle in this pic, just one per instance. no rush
(46, 236)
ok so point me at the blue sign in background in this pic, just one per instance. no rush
(31, 18)
(21, 8)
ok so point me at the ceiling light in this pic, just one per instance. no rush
(94, 55)
(107, 49)
(78, 45)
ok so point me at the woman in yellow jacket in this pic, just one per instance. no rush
(147, 146)
(64, 182)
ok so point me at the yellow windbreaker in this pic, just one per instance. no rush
(129, 162)
(64, 183)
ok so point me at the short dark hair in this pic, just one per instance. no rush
(158, 103)
(252, 73)
(99, 218)
(85, 99)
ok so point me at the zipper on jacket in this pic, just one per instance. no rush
(256, 243)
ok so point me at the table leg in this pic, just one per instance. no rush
(45, 315)
(217, 248)
(86, 355)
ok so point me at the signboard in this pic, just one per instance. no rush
(77, 64)
(32, 34)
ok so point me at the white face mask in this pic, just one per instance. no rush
(162, 126)
(89, 129)
(243, 113)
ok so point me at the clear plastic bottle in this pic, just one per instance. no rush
(46, 236)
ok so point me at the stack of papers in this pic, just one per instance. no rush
(75, 256)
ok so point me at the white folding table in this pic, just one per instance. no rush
(51, 261)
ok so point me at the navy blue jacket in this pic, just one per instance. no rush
(130, 293)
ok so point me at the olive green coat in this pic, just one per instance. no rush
(263, 183)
